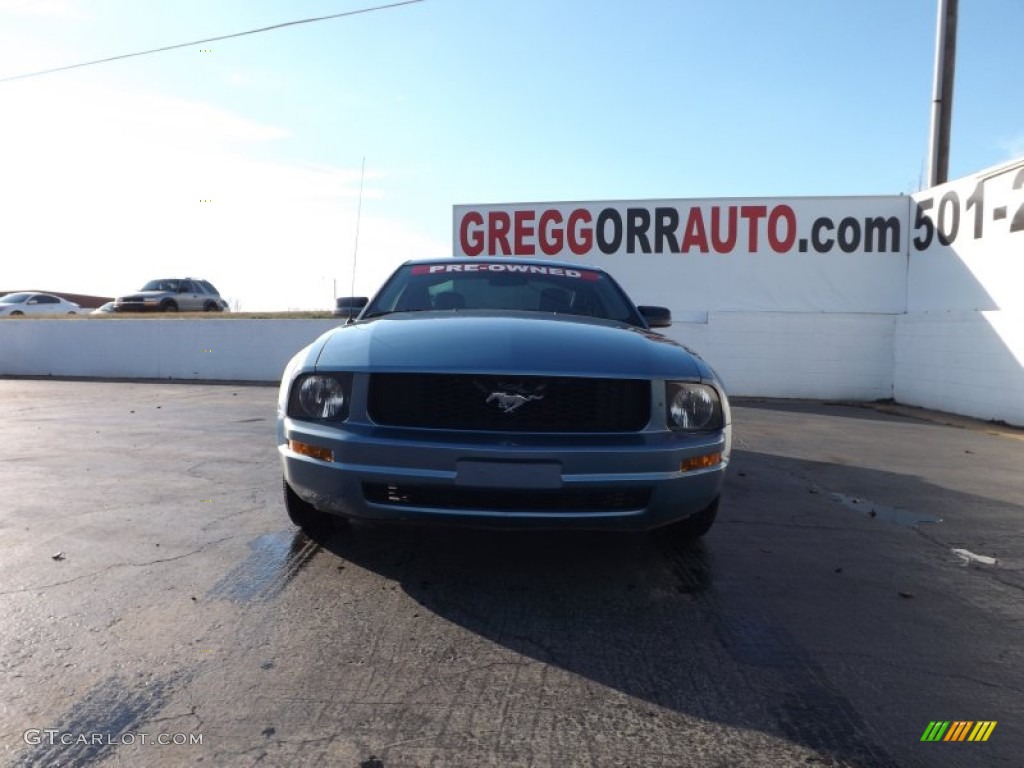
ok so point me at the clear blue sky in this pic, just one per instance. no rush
(103, 169)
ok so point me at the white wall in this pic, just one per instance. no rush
(955, 343)
(960, 346)
(790, 354)
(832, 307)
(962, 362)
(771, 354)
(970, 363)
(180, 348)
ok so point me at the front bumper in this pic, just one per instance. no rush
(136, 306)
(623, 482)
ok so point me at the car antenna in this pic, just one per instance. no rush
(359, 214)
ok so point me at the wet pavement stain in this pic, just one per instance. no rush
(754, 640)
(275, 560)
(689, 564)
(806, 706)
(113, 710)
(877, 511)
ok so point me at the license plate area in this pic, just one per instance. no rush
(508, 474)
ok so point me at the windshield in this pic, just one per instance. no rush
(161, 285)
(504, 286)
(14, 298)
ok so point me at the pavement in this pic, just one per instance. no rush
(157, 608)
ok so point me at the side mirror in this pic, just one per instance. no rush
(350, 306)
(32, 301)
(656, 317)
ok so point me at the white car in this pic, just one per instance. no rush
(25, 303)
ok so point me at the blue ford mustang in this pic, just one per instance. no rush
(505, 392)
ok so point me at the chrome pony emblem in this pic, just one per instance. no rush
(511, 395)
(511, 402)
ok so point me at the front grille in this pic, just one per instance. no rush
(509, 403)
(504, 500)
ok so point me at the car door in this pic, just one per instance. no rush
(188, 298)
(42, 305)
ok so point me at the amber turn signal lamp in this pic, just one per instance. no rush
(313, 451)
(700, 462)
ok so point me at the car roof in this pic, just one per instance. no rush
(506, 260)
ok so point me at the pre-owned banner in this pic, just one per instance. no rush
(828, 254)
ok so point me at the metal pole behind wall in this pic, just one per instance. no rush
(942, 92)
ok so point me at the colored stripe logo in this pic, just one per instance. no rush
(958, 730)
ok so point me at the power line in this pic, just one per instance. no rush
(210, 40)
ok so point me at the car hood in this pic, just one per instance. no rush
(476, 342)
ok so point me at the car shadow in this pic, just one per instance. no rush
(634, 612)
(686, 627)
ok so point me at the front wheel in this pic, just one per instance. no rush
(168, 306)
(694, 526)
(306, 516)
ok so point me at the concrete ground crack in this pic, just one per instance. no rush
(119, 565)
(197, 728)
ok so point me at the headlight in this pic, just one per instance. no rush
(693, 406)
(320, 397)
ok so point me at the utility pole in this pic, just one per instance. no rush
(942, 92)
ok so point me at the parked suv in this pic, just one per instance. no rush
(173, 295)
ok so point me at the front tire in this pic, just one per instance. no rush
(168, 306)
(306, 516)
(694, 526)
